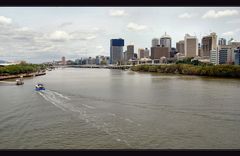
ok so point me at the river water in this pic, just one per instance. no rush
(114, 109)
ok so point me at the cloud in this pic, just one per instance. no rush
(219, 14)
(59, 36)
(185, 15)
(5, 20)
(100, 49)
(65, 24)
(229, 33)
(136, 27)
(91, 37)
(117, 13)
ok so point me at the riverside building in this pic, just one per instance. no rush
(116, 50)
(166, 41)
(180, 47)
(209, 43)
(190, 46)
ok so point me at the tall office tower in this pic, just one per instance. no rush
(130, 52)
(229, 41)
(221, 55)
(214, 59)
(234, 45)
(116, 50)
(237, 56)
(222, 41)
(146, 53)
(166, 41)
(180, 47)
(155, 42)
(209, 43)
(190, 46)
(158, 52)
(140, 53)
(63, 61)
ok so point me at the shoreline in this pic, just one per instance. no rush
(220, 71)
(24, 75)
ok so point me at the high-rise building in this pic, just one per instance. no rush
(158, 52)
(155, 42)
(140, 53)
(130, 52)
(229, 41)
(190, 46)
(222, 41)
(220, 55)
(146, 53)
(116, 50)
(214, 57)
(166, 41)
(237, 56)
(180, 47)
(63, 60)
(209, 43)
(223, 55)
(233, 44)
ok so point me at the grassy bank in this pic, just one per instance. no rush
(189, 69)
(20, 69)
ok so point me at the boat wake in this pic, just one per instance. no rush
(91, 115)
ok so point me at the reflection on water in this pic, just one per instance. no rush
(102, 108)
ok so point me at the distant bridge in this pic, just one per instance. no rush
(94, 66)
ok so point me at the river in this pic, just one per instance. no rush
(114, 109)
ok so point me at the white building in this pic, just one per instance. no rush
(190, 46)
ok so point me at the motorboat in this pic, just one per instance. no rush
(39, 87)
(19, 81)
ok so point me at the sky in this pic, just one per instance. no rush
(42, 34)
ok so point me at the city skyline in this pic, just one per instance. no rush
(46, 34)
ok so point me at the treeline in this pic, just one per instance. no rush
(22, 68)
(189, 69)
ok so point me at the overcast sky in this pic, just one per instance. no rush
(40, 34)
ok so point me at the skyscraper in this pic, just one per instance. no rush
(222, 41)
(209, 43)
(63, 61)
(190, 46)
(180, 47)
(155, 42)
(166, 41)
(146, 53)
(116, 50)
(140, 53)
(237, 56)
(130, 52)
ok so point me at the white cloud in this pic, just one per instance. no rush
(91, 37)
(23, 29)
(185, 15)
(219, 14)
(100, 49)
(5, 20)
(95, 28)
(229, 33)
(59, 36)
(136, 27)
(117, 13)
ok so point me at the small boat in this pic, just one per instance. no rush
(39, 87)
(19, 81)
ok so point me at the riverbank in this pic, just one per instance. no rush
(23, 75)
(24, 70)
(231, 71)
